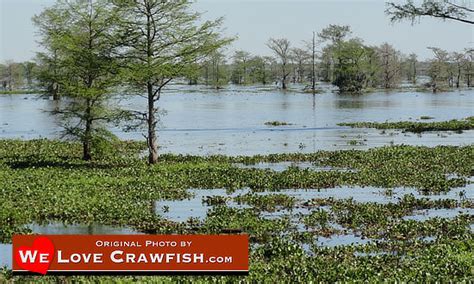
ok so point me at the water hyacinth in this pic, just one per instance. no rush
(285, 228)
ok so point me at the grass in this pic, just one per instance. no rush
(44, 181)
(418, 127)
(20, 92)
(426, 117)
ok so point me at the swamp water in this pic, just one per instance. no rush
(196, 206)
(201, 121)
(6, 255)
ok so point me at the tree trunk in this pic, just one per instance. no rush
(313, 69)
(264, 75)
(152, 143)
(284, 76)
(217, 75)
(458, 77)
(56, 96)
(414, 73)
(86, 150)
(86, 143)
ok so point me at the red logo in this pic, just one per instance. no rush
(36, 258)
(109, 254)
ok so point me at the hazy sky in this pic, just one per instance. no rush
(256, 21)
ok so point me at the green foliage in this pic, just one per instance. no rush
(51, 181)
(21, 92)
(354, 66)
(182, 40)
(438, 69)
(277, 123)
(241, 67)
(50, 24)
(248, 69)
(260, 70)
(215, 72)
(80, 32)
(335, 33)
(418, 127)
(426, 117)
(223, 219)
(159, 42)
(11, 75)
(318, 218)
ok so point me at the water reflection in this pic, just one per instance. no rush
(349, 104)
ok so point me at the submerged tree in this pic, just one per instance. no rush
(30, 72)
(300, 58)
(468, 66)
(439, 68)
(12, 75)
(281, 48)
(390, 65)
(217, 73)
(461, 11)
(159, 40)
(354, 65)
(457, 68)
(3, 82)
(192, 73)
(332, 35)
(240, 67)
(212, 69)
(411, 70)
(312, 54)
(258, 72)
(87, 68)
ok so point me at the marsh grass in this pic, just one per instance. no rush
(418, 127)
(277, 123)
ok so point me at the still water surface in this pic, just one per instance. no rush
(232, 121)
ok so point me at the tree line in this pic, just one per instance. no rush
(336, 57)
(332, 56)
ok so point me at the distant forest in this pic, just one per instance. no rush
(333, 55)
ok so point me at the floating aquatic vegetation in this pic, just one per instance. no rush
(277, 123)
(308, 223)
(418, 127)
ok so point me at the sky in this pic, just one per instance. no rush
(255, 21)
